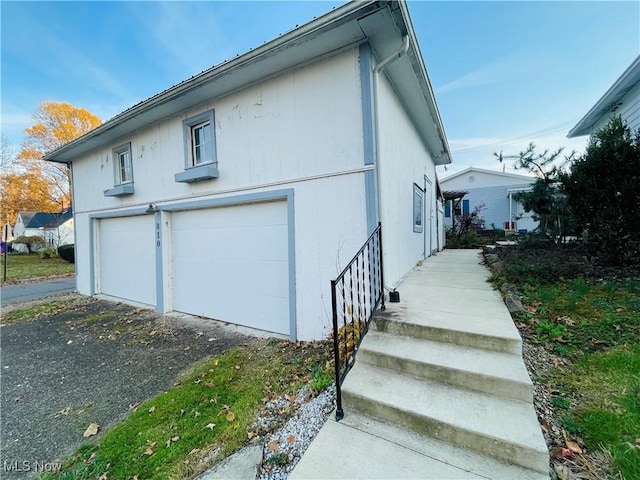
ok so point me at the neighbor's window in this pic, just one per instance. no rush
(123, 165)
(418, 202)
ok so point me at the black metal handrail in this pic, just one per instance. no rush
(356, 294)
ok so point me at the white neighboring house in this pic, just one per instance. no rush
(622, 98)
(240, 193)
(497, 191)
(55, 228)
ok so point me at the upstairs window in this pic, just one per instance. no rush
(201, 144)
(199, 149)
(123, 172)
(123, 164)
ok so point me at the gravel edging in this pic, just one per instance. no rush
(282, 449)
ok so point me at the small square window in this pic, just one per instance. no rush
(201, 144)
(199, 149)
(123, 172)
(124, 166)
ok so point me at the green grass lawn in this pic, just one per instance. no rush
(593, 324)
(210, 410)
(24, 267)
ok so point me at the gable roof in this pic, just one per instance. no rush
(514, 176)
(381, 23)
(610, 101)
(46, 219)
(25, 216)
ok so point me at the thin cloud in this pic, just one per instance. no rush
(177, 41)
(72, 62)
(504, 68)
(15, 118)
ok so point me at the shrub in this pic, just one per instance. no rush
(48, 252)
(602, 192)
(33, 242)
(543, 263)
(67, 253)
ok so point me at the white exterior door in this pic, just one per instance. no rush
(126, 258)
(231, 263)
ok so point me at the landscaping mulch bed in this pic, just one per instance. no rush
(548, 358)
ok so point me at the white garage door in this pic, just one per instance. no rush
(126, 252)
(231, 264)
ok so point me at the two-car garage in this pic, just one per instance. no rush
(228, 262)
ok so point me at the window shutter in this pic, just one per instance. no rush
(447, 209)
(465, 207)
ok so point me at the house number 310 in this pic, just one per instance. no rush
(157, 234)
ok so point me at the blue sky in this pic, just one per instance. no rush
(504, 73)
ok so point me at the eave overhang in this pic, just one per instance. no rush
(609, 101)
(382, 24)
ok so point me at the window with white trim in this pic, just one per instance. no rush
(199, 148)
(201, 144)
(122, 171)
(122, 156)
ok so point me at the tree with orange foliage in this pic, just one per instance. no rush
(46, 185)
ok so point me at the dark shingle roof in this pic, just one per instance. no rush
(47, 220)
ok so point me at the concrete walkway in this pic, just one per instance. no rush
(439, 389)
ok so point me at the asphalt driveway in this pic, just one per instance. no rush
(82, 361)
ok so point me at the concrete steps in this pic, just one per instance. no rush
(452, 375)
(493, 372)
(487, 424)
(360, 446)
(438, 390)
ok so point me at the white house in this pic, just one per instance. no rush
(497, 191)
(240, 193)
(622, 98)
(55, 228)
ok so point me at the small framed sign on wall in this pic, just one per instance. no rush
(418, 202)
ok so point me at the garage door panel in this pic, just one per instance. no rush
(215, 243)
(127, 258)
(231, 263)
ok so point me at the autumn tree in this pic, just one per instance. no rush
(6, 153)
(54, 124)
(28, 191)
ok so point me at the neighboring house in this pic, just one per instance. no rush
(622, 98)
(55, 228)
(497, 191)
(240, 193)
(22, 220)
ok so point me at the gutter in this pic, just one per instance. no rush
(197, 80)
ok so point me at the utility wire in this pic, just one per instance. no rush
(540, 133)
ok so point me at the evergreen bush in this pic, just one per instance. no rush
(67, 253)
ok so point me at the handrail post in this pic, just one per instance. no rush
(382, 307)
(357, 315)
(336, 350)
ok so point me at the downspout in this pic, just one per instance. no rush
(376, 71)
